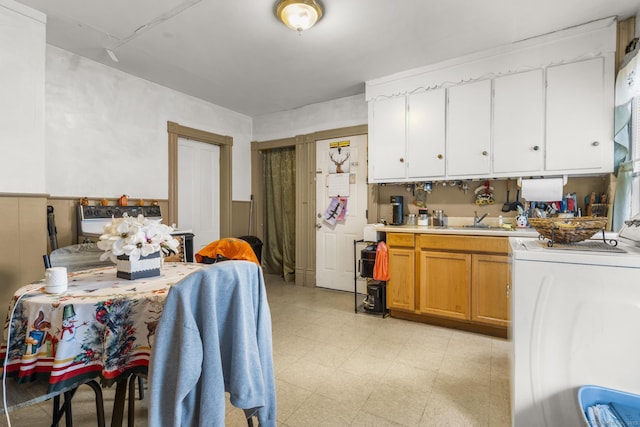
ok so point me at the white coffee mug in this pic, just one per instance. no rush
(56, 280)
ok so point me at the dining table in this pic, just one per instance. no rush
(101, 327)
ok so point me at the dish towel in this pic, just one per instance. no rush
(381, 266)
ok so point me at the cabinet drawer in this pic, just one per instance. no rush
(400, 239)
(473, 244)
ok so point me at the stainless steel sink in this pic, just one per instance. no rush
(482, 226)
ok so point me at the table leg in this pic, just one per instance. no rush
(118, 403)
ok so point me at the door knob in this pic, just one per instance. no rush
(318, 226)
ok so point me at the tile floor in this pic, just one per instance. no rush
(337, 368)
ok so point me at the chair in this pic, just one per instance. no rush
(78, 257)
(214, 336)
(32, 393)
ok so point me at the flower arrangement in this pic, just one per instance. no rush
(136, 237)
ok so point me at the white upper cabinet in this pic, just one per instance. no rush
(469, 129)
(539, 107)
(578, 136)
(518, 123)
(426, 134)
(387, 139)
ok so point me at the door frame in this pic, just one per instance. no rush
(305, 146)
(225, 143)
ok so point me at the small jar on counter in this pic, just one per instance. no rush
(423, 217)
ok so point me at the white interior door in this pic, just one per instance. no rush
(334, 243)
(199, 191)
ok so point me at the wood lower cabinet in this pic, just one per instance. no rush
(491, 289)
(464, 278)
(401, 284)
(445, 284)
(457, 279)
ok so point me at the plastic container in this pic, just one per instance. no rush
(590, 395)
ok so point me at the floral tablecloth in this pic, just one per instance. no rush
(102, 326)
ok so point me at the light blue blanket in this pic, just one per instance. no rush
(214, 336)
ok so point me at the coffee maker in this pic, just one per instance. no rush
(397, 205)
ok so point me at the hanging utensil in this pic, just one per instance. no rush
(506, 207)
(518, 204)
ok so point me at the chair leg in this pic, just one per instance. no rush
(140, 388)
(64, 409)
(56, 411)
(131, 410)
(99, 401)
(118, 403)
(68, 416)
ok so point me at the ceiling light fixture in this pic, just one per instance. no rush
(299, 15)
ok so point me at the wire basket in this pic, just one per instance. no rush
(568, 230)
(599, 209)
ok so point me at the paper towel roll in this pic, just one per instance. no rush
(371, 234)
(542, 190)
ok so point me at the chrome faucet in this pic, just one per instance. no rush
(476, 219)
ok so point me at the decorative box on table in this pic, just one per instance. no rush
(146, 266)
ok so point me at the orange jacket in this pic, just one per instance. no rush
(230, 248)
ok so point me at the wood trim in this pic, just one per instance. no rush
(341, 132)
(36, 195)
(305, 192)
(276, 143)
(626, 33)
(225, 143)
(257, 192)
(495, 331)
(172, 215)
(198, 135)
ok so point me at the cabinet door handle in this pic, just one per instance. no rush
(536, 147)
(508, 290)
(440, 156)
(401, 159)
(484, 153)
(595, 143)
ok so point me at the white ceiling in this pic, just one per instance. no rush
(236, 54)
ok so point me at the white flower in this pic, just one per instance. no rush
(135, 237)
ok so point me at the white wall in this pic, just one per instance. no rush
(337, 113)
(106, 131)
(22, 71)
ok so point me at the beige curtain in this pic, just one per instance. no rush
(280, 224)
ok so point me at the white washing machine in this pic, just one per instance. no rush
(575, 321)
